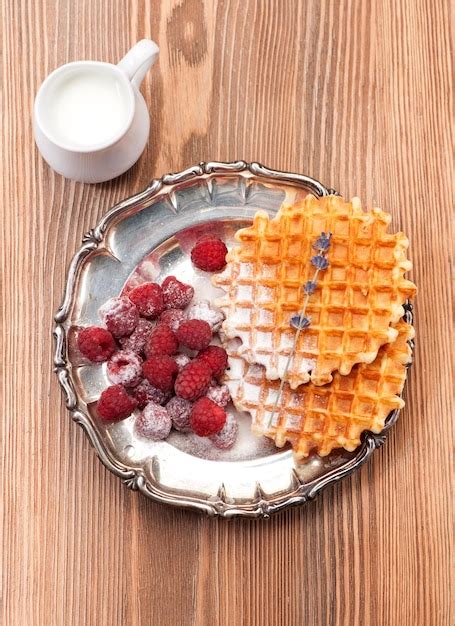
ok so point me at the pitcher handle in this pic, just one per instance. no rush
(139, 60)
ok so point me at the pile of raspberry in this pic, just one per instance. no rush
(160, 358)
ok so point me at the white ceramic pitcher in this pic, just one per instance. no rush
(74, 154)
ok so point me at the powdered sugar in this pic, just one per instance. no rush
(173, 318)
(219, 394)
(265, 295)
(125, 368)
(182, 360)
(138, 339)
(227, 436)
(270, 271)
(286, 341)
(264, 341)
(241, 317)
(179, 410)
(120, 316)
(245, 293)
(246, 270)
(247, 446)
(145, 393)
(177, 295)
(148, 299)
(154, 422)
(265, 318)
(202, 310)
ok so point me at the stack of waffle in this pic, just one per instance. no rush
(348, 368)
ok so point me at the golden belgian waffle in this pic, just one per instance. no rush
(320, 419)
(357, 299)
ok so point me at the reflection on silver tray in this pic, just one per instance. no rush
(148, 236)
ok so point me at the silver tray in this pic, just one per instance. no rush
(149, 236)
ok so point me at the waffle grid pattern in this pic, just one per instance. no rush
(317, 419)
(358, 297)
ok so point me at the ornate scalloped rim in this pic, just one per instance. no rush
(134, 478)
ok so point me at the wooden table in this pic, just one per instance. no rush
(357, 94)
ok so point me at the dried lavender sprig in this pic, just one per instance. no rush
(301, 321)
(309, 287)
(322, 243)
(297, 321)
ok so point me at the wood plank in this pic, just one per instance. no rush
(357, 94)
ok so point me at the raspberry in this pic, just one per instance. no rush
(194, 334)
(160, 371)
(148, 298)
(96, 344)
(179, 409)
(145, 393)
(182, 360)
(120, 316)
(137, 340)
(176, 295)
(193, 381)
(115, 404)
(216, 358)
(207, 418)
(209, 254)
(227, 436)
(162, 341)
(154, 422)
(125, 368)
(203, 311)
(219, 394)
(173, 318)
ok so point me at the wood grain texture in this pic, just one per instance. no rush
(358, 94)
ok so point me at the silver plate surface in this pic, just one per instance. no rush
(148, 237)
